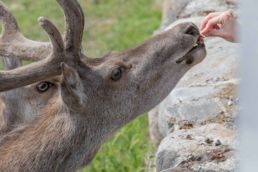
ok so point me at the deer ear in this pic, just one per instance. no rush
(72, 90)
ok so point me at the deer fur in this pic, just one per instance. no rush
(93, 97)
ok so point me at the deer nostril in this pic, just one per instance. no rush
(192, 30)
(189, 61)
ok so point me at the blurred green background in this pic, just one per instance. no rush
(110, 25)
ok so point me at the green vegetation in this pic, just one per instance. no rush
(110, 25)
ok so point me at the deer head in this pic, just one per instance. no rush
(93, 97)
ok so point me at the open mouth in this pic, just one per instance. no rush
(189, 58)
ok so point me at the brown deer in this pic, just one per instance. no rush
(92, 97)
(21, 105)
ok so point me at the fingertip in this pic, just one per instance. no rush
(204, 34)
(204, 30)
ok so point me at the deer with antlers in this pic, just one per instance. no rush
(81, 101)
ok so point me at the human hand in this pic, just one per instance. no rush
(221, 24)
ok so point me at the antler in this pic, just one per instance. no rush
(67, 50)
(40, 70)
(13, 43)
(11, 62)
(74, 25)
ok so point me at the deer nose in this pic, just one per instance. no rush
(192, 29)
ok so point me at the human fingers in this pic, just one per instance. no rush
(211, 25)
(207, 18)
(215, 32)
(222, 34)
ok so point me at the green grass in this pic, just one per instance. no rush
(127, 151)
(110, 25)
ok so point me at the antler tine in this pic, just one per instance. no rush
(11, 62)
(10, 25)
(74, 24)
(14, 44)
(53, 33)
(49, 66)
(40, 70)
(29, 74)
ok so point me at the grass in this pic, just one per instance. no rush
(110, 25)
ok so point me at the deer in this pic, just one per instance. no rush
(92, 98)
(21, 105)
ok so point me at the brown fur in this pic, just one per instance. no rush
(89, 102)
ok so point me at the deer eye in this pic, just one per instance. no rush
(44, 86)
(116, 74)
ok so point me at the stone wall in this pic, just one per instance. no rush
(177, 9)
(195, 125)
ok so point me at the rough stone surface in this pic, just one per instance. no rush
(194, 106)
(203, 7)
(171, 10)
(206, 93)
(177, 9)
(196, 122)
(206, 148)
(155, 134)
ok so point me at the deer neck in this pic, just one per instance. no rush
(56, 141)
